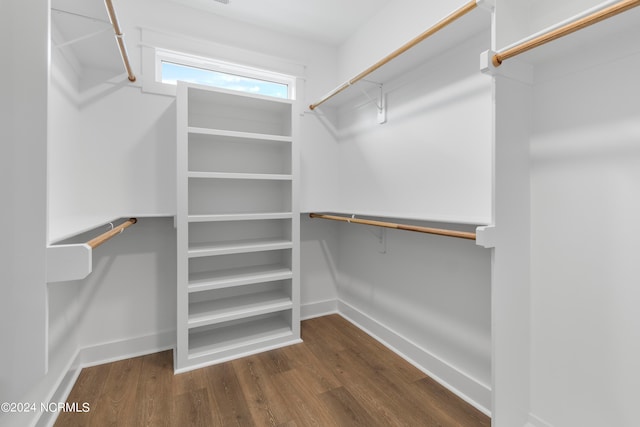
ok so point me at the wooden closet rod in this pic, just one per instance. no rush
(120, 38)
(569, 28)
(406, 227)
(97, 241)
(434, 29)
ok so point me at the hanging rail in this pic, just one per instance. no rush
(97, 241)
(406, 227)
(434, 29)
(564, 30)
(120, 38)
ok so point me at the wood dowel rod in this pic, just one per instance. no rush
(569, 28)
(406, 227)
(97, 241)
(434, 29)
(120, 38)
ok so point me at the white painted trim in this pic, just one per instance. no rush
(60, 394)
(467, 388)
(535, 421)
(125, 349)
(319, 308)
(238, 355)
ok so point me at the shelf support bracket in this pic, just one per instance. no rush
(380, 103)
(68, 262)
(486, 236)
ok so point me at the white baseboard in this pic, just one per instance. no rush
(535, 421)
(126, 349)
(317, 309)
(464, 386)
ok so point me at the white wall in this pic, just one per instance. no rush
(393, 26)
(566, 344)
(585, 199)
(423, 163)
(131, 291)
(318, 267)
(23, 169)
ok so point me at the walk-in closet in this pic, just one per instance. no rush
(335, 213)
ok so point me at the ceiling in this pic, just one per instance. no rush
(327, 21)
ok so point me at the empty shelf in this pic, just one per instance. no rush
(235, 175)
(238, 307)
(236, 247)
(246, 334)
(236, 134)
(237, 277)
(239, 217)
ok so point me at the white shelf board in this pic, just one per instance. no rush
(239, 217)
(205, 281)
(232, 98)
(64, 228)
(237, 336)
(237, 247)
(240, 135)
(234, 175)
(226, 309)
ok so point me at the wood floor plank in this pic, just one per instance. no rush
(368, 377)
(375, 402)
(194, 409)
(367, 345)
(155, 390)
(448, 404)
(314, 373)
(117, 405)
(266, 404)
(307, 407)
(228, 395)
(347, 409)
(88, 388)
(275, 361)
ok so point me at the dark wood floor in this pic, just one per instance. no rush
(339, 376)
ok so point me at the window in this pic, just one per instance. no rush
(172, 67)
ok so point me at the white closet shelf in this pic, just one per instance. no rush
(235, 175)
(208, 280)
(237, 247)
(240, 135)
(240, 217)
(247, 334)
(226, 309)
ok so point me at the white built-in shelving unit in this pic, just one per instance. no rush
(237, 226)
